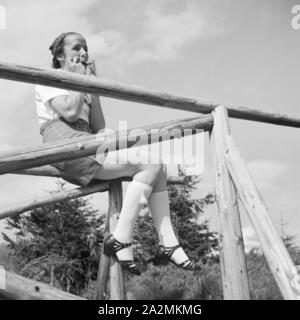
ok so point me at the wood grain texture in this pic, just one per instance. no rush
(50, 171)
(231, 245)
(104, 267)
(113, 89)
(31, 204)
(279, 261)
(117, 276)
(95, 144)
(20, 288)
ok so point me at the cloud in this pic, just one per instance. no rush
(250, 239)
(38, 17)
(29, 46)
(167, 33)
(266, 172)
(23, 188)
(155, 30)
(162, 35)
(248, 232)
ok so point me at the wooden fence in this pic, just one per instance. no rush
(232, 182)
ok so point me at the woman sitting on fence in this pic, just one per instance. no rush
(65, 114)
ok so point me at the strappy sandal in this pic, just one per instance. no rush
(163, 256)
(110, 248)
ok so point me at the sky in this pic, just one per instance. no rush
(230, 52)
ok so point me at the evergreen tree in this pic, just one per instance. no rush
(288, 240)
(58, 244)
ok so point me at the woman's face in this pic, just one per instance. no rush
(74, 47)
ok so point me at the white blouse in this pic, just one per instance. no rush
(45, 112)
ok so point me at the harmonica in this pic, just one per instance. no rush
(86, 63)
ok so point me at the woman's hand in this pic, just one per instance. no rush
(90, 70)
(76, 66)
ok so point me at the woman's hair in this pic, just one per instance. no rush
(57, 48)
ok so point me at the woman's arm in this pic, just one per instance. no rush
(69, 107)
(97, 121)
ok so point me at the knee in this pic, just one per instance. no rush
(155, 169)
(160, 169)
(163, 170)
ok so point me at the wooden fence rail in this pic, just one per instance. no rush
(76, 148)
(64, 195)
(97, 186)
(113, 89)
(20, 288)
(50, 171)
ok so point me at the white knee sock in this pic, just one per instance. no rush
(158, 203)
(136, 196)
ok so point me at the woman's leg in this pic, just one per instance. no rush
(158, 203)
(137, 193)
(146, 178)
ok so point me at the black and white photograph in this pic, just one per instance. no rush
(149, 152)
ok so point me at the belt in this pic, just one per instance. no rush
(48, 122)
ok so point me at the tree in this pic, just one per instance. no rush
(59, 243)
(169, 282)
(261, 280)
(198, 241)
(288, 240)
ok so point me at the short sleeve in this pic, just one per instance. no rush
(47, 93)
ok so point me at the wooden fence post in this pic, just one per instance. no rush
(232, 256)
(280, 263)
(117, 277)
(103, 271)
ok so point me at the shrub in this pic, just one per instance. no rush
(169, 282)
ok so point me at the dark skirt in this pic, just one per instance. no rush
(78, 171)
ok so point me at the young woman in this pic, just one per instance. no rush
(65, 114)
